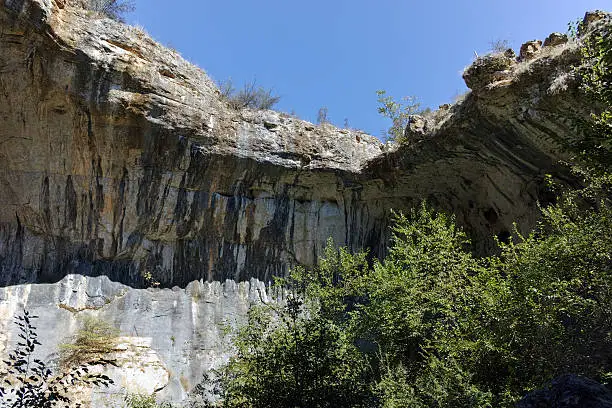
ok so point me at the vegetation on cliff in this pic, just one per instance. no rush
(431, 325)
(30, 382)
(115, 9)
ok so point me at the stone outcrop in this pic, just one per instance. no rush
(122, 167)
(555, 39)
(489, 68)
(119, 158)
(569, 391)
(168, 336)
(529, 50)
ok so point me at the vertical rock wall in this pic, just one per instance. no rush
(121, 167)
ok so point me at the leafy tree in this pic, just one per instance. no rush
(398, 112)
(29, 382)
(594, 148)
(427, 304)
(433, 321)
(444, 321)
(290, 356)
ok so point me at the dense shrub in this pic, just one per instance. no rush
(288, 356)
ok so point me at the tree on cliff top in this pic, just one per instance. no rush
(114, 9)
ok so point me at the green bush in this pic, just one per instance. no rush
(290, 356)
(433, 322)
(144, 401)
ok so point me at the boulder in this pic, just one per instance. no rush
(555, 39)
(592, 16)
(486, 69)
(569, 391)
(416, 128)
(529, 50)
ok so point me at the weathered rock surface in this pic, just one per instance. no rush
(569, 391)
(488, 69)
(529, 50)
(555, 39)
(119, 158)
(121, 167)
(169, 336)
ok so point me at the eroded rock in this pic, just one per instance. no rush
(416, 128)
(593, 16)
(168, 337)
(488, 69)
(122, 167)
(529, 50)
(555, 39)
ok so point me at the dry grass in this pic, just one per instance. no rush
(93, 341)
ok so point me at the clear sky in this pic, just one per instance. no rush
(337, 53)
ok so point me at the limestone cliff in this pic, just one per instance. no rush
(119, 159)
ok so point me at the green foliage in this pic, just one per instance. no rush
(144, 401)
(148, 279)
(437, 326)
(445, 321)
(291, 356)
(29, 382)
(250, 96)
(333, 287)
(398, 112)
(428, 306)
(95, 339)
(560, 312)
(594, 148)
(434, 322)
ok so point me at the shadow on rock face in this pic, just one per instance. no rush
(569, 391)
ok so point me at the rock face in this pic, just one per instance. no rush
(119, 158)
(529, 50)
(555, 39)
(122, 167)
(168, 336)
(488, 69)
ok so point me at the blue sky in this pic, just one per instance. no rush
(337, 53)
